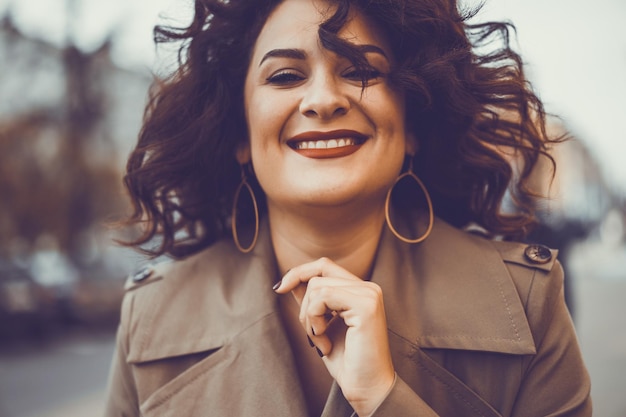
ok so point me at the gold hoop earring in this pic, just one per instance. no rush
(244, 183)
(431, 215)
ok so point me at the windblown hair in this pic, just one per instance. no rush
(467, 100)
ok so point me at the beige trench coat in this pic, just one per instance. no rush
(476, 329)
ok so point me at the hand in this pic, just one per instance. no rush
(345, 318)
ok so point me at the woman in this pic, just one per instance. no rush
(344, 289)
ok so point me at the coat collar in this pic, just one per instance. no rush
(204, 301)
(453, 291)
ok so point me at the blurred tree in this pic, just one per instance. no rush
(52, 179)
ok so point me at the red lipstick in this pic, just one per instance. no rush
(332, 144)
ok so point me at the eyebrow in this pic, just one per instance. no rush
(300, 54)
(364, 49)
(284, 53)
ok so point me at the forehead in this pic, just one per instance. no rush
(296, 23)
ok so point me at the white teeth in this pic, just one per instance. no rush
(326, 144)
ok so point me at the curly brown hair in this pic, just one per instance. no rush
(462, 104)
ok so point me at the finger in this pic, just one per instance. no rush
(307, 324)
(299, 292)
(318, 320)
(322, 338)
(315, 284)
(320, 323)
(324, 342)
(322, 267)
(356, 305)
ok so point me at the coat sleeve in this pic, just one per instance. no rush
(122, 394)
(403, 401)
(556, 382)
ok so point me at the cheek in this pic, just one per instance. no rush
(261, 109)
(267, 118)
(264, 126)
(258, 118)
(388, 108)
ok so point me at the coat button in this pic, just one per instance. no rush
(538, 254)
(142, 274)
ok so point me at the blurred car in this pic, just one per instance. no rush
(24, 305)
(88, 294)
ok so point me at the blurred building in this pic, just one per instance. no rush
(577, 190)
(578, 200)
(67, 122)
(38, 77)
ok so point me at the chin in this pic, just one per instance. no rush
(340, 198)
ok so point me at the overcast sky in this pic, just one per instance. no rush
(575, 50)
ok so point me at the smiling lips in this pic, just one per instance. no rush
(322, 145)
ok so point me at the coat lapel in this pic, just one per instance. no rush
(218, 304)
(252, 375)
(452, 292)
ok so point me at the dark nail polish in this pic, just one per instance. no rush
(313, 331)
(275, 287)
(310, 341)
(319, 352)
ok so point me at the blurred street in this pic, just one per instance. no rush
(73, 91)
(68, 376)
(599, 274)
(65, 377)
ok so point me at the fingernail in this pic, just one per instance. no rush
(310, 341)
(277, 285)
(319, 352)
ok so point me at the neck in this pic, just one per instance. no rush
(348, 237)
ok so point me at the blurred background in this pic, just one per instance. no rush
(74, 75)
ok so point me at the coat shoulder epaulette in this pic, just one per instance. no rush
(144, 276)
(531, 255)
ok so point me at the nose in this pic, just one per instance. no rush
(324, 98)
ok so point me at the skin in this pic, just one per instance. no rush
(326, 214)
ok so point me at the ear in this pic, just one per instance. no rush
(243, 153)
(412, 144)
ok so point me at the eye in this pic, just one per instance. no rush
(362, 74)
(285, 77)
